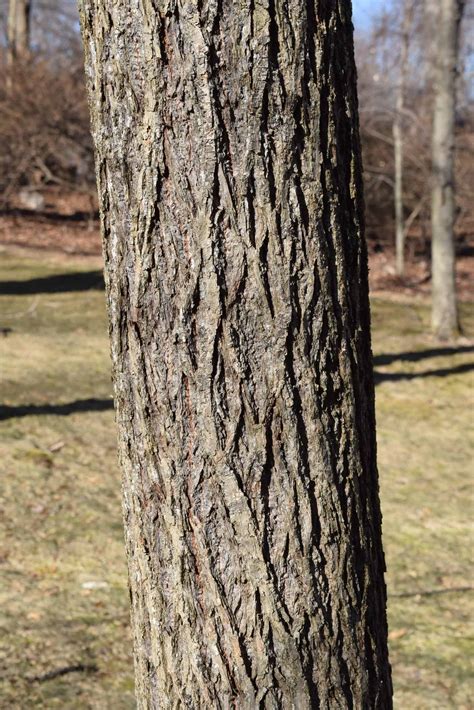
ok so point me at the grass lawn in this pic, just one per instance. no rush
(63, 583)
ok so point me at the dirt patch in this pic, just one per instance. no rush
(39, 232)
(67, 222)
(417, 280)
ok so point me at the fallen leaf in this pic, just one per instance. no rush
(94, 585)
(57, 446)
(33, 616)
(397, 634)
(38, 509)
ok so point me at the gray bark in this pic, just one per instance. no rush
(18, 30)
(398, 137)
(446, 16)
(229, 178)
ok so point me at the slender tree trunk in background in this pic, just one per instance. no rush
(11, 32)
(229, 178)
(398, 137)
(18, 30)
(447, 16)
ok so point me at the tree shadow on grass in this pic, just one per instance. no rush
(59, 283)
(51, 216)
(380, 377)
(418, 355)
(101, 405)
(80, 405)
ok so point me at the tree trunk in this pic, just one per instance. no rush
(398, 137)
(447, 16)
(229, 178)
(18, 30)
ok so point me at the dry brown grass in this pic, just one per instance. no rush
(60, 500)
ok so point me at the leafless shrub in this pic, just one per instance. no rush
(44, 126)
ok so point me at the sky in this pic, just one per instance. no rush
(364, 9)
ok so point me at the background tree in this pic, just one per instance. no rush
(398, 122)
(18, 30)
(229, 178)
(379, 64)
(394, 100)
(446, 17)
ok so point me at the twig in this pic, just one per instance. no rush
(29, 311)
(432, 592)
(58, 672)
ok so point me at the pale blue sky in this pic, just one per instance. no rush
(364, 9)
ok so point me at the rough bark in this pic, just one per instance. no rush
(398, 137)
(18, 30)
(229, 178)
(446, 15)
